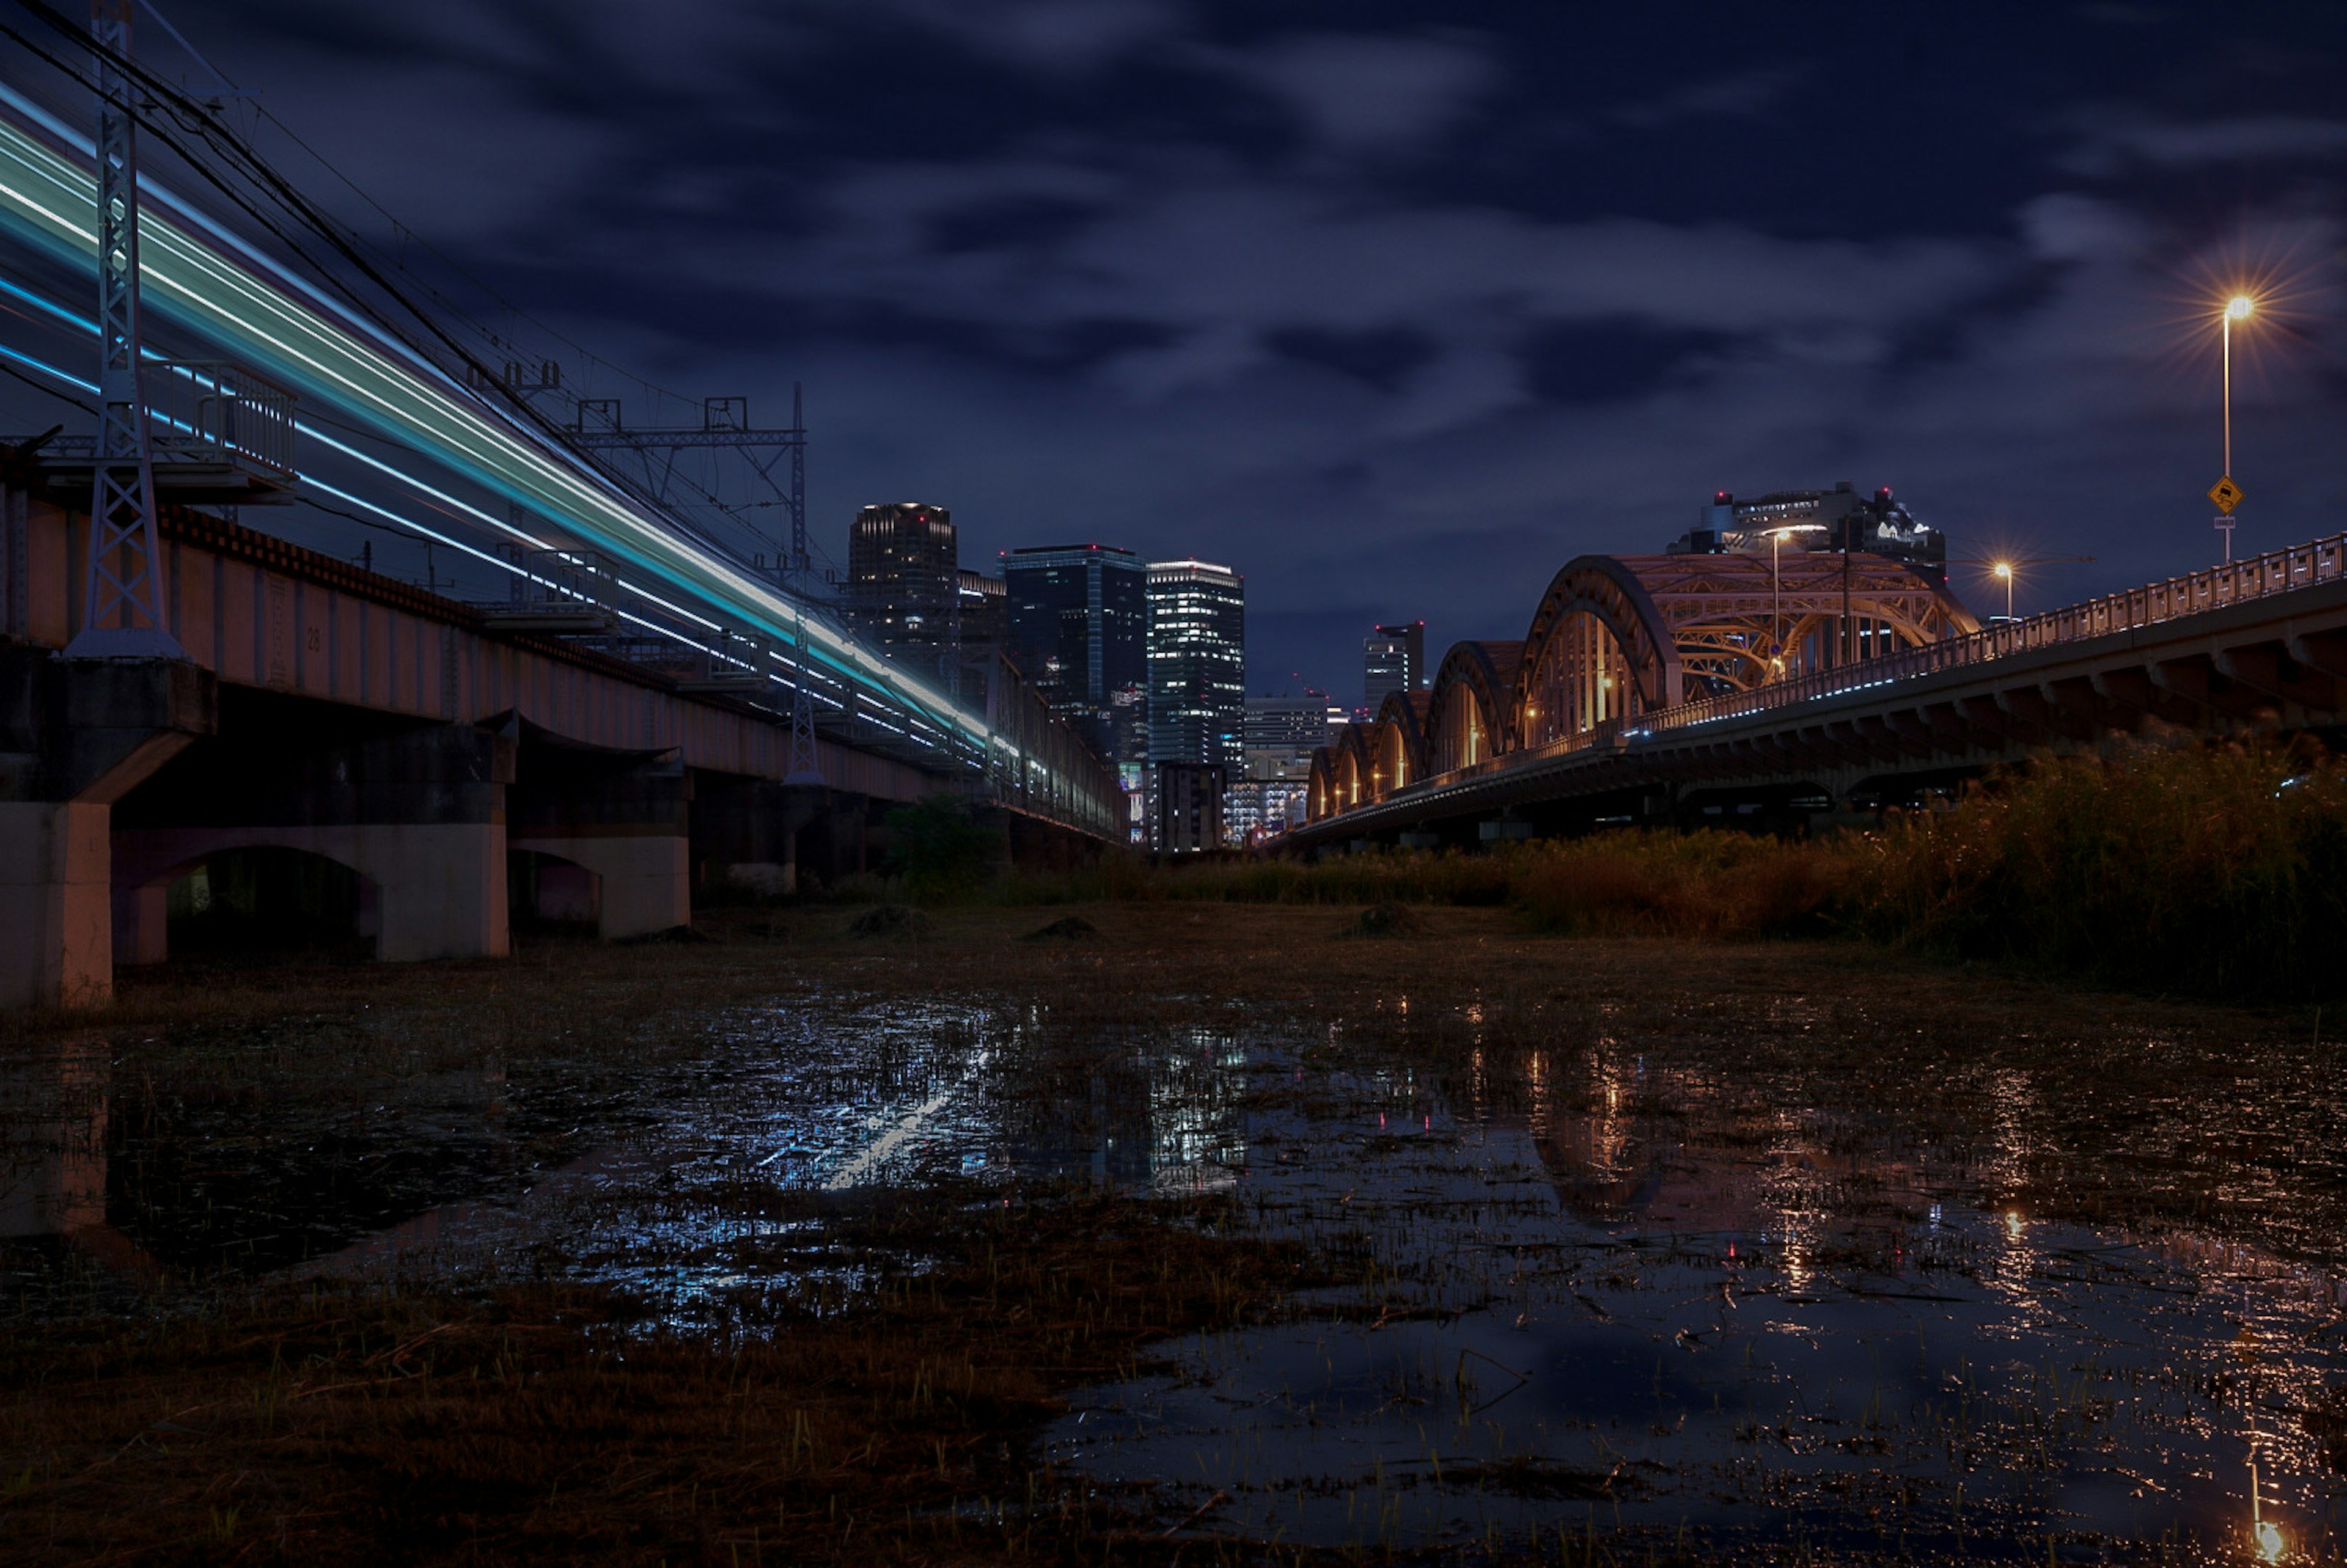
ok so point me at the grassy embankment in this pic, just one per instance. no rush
(2215, 872)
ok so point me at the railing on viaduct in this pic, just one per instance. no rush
(2241, 581)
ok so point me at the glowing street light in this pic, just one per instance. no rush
(2225, 493)
(2003, 570)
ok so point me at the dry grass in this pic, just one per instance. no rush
(348, 1425)
(2213, 871)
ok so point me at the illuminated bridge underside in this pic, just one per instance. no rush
(2259, 646)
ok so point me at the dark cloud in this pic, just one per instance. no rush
(1614, 361)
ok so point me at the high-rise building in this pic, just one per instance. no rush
(903, 582)
(1282, 732)
(982, 612)
(1393, 658)
(1197, 664)
(1189, 806)
(1076, 622)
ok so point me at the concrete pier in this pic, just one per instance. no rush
(622, 817)
(77, 736)
(419, 816)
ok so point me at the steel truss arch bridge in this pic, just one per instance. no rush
(1661, 689)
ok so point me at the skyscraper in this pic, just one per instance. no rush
(1076, 622)
(903, 582)
(1197, 664)
(1393, 658)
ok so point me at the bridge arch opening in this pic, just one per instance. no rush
(1467, 714)
(551, 895)
(1462, 735)
(1582, 679)
(1392, 749)
(264, 899)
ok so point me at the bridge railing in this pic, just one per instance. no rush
(2257, 577)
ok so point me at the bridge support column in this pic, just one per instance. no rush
(76, 736)
(746, 831)
(418, 815)
(625, 820)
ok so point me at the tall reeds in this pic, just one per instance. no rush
(2212, 871)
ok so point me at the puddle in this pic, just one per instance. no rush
(1648, 1301)
(1592, 1291)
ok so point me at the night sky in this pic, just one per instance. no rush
(1396, 309)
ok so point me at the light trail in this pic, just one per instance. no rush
(52, 201)
(434, 535)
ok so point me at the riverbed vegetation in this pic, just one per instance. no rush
(2218, 872)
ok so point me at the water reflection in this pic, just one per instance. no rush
(53, 1138)
(54, 1104)
(1654, 1298)
(1603, 1289)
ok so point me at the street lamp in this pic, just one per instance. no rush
(2004, 569)
(1777, 594)
(2226, 494)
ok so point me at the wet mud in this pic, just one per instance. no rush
(1591, 1250)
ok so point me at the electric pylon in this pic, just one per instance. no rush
(122, 607)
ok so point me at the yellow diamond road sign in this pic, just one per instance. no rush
(2225, 494)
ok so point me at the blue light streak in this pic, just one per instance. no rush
(51, 201)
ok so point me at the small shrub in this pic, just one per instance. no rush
(890, 922)
(945, 847)
(1389, 921)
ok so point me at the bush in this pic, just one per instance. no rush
(2220, 871)
(1702, 884)
(945, 847)
(2217, 871)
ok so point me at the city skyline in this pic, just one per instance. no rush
(1342, 296)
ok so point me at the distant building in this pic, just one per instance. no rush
(982, 609)
(1076, 622)
(1393, 658)
(903, 582)
(1197, 664)
(1812, 520)
(1282, 733)
(1189, 816)
(978, 623)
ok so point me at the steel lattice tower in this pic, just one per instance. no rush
(122, 612)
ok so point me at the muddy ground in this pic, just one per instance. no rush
(1220, 1230)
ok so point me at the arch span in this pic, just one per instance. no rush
(439, 889)
(1322, 790)
(1470, 709)
(1565, 669)
(1402, 737)
(1357, 746)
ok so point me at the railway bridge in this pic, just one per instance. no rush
(1709, 689)
(589, 710)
